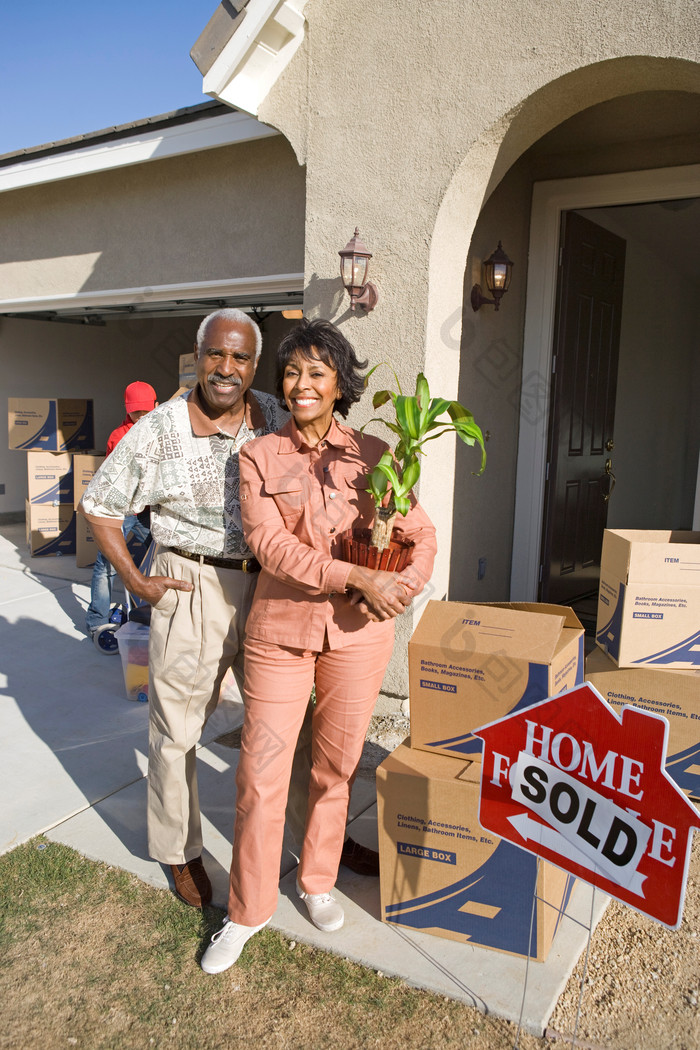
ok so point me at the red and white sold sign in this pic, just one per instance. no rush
(585, 788)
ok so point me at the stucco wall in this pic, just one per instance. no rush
(407, 118)
(237, 211)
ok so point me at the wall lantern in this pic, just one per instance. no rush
(354, 262)
(497, 273)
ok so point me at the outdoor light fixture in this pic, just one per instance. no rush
(354, 261)
(497, 272)
(293, 315)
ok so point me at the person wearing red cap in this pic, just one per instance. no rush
(139, 399)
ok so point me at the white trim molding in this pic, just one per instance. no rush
(249, 287)
(257, 53)
(142, 146)
(549, 201)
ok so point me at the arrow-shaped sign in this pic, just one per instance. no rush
(531, 830)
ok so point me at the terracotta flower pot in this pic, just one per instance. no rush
(358, 550)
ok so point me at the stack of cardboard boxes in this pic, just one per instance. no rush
(51, 431)
(441, 873)
(648, 633)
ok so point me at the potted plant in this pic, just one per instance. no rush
(417, 419)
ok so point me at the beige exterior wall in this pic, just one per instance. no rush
(408, 119)
(236, 211)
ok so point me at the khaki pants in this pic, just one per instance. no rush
(277, 687)
(195, 636)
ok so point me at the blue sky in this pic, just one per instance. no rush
(76, 66)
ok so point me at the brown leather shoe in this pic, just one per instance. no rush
(360, 859)
(192, 883)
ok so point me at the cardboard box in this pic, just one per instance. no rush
(471, 664)
(50, 424)
(50, 477)
(673, 694)
(441, 873)
(132, 640)
(50, 529)
(85, 464)
(649, 598)
(85, 546)
(187, 374)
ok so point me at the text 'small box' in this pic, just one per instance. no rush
(442, 874)
(671, 693)
(471, 664)
(50, 424)
(649, 598)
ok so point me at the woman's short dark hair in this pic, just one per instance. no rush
(333, 349)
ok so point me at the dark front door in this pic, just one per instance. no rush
(580, 458)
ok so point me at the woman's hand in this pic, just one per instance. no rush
(380, 595)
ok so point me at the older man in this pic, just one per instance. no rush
(182, 461)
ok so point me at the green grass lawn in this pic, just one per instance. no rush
(93, 958)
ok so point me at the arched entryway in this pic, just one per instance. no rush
(494, 547)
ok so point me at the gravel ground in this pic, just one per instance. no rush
(642, 982)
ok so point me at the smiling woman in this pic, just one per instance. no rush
(310, 388)
(316, 622)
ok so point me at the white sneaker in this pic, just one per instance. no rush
(324, 911)
(227, 945)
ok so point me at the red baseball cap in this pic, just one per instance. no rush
(139, 397)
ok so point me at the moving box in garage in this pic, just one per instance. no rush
(649, 598)
(85, 546)
(85, 465)
(50, 477)
(471, 664)
(671, 693)
(50, 424)
(441, 873)
(187, 373)
(50, 529)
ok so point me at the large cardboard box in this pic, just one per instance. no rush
(50, 529)
(471, 664)
(187, 374)
(649, 598)
(50, 424)
(674, 694)
(85, 464)
(50, 477)
(441, 873)
(85, 546)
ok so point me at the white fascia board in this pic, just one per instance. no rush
(144, 146)
(256, 54)
(159, 293)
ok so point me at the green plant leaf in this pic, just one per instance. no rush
(376, 419)
(423, 399)
(408, 415)
(437, 406)
(402, 504)
(411, 473)
(381, 398)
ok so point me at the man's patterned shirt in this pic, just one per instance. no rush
(190, 482)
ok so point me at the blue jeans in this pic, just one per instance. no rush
(103, 575)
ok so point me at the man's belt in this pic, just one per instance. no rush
(242, 564)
